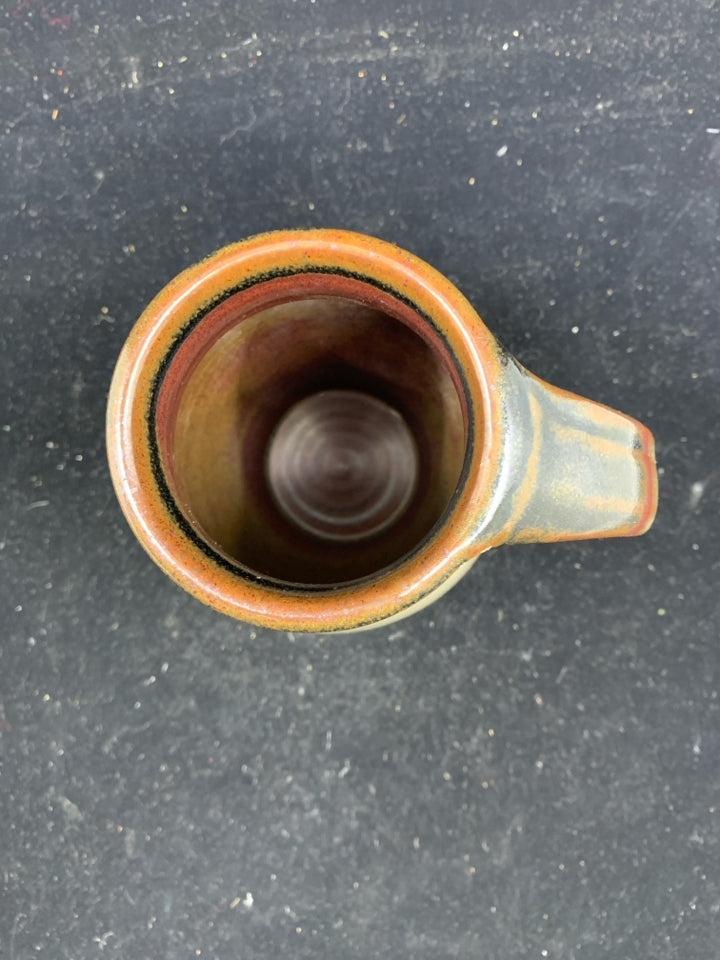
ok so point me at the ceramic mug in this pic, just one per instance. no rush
(314, 430)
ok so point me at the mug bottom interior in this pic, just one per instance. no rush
(312, 432)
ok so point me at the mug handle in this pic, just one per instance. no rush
(580, 469)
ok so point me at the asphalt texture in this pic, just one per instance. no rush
(531, 767)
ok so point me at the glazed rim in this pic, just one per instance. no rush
(136, 469)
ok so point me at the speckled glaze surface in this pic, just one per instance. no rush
(538, 463)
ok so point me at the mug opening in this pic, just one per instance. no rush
(377, 438)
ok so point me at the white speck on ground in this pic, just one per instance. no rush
(502, 151)
(70, 809)
(102, 941)
(697, 490)
(130, 842)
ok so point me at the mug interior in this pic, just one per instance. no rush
(311, 429)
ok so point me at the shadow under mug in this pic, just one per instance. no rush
(314, 430)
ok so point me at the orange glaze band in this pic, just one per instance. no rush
(240, 593)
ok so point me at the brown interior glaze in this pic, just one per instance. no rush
(247, 362)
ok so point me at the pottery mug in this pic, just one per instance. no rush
(314, 430)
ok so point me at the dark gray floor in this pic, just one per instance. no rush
(530, 768)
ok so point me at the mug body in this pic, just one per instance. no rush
(305, 430)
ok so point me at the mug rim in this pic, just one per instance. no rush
(137, 472)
